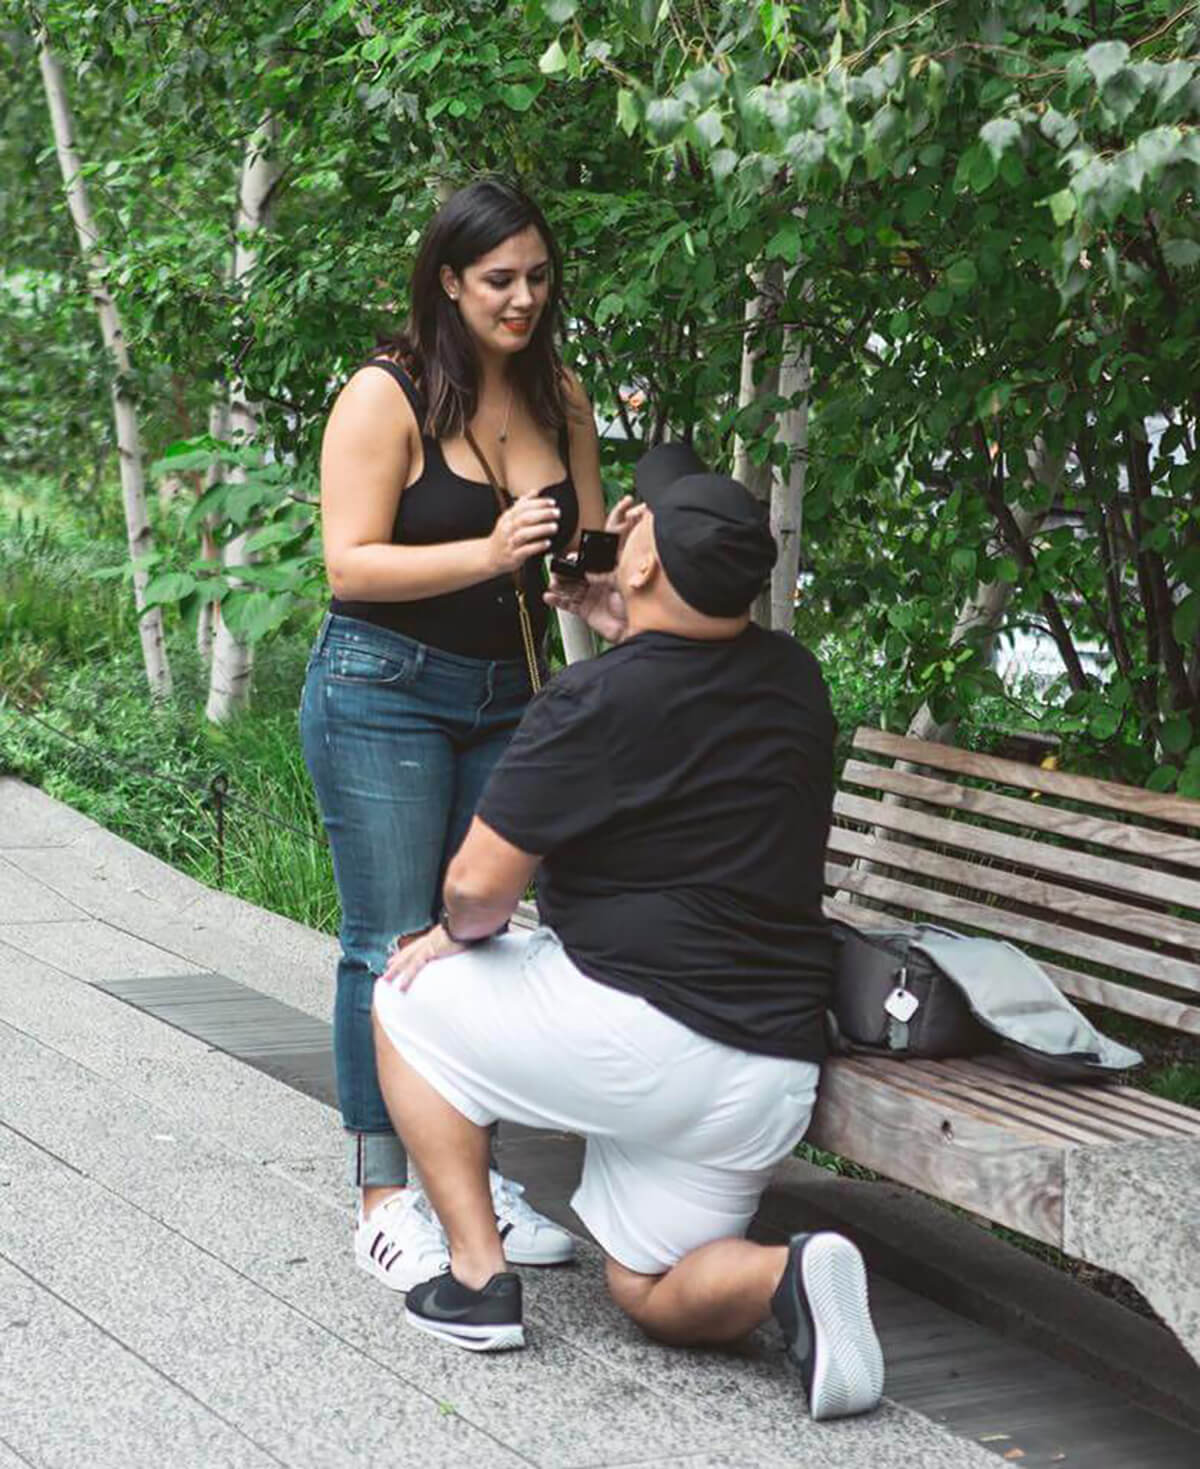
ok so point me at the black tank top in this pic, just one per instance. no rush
(479, 621)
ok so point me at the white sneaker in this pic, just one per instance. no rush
(529, 1238)
(400, 1242)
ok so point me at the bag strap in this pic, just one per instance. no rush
(503, 501)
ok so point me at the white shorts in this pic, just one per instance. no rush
(682, 1132)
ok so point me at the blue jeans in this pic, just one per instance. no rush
(399, 740)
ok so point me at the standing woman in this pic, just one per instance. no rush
(453, 462)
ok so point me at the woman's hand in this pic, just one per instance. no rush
(414, 953)
(525, 529)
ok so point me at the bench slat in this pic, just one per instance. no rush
(1075, 826)
(1122, 877)
(1169, 1118)
(1047, 1124)
(1150, 804)
(1032, 892)
(1059, 1105)
(941, 1146)
(1072, 941)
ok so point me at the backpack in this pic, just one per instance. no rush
(931, 992)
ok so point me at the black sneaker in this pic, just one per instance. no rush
(487, 1320)
(821, 1304)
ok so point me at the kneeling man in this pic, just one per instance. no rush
(674, 797)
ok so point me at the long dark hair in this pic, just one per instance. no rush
(437, 348)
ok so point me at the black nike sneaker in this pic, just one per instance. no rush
(487, 1320)
(821, 1306)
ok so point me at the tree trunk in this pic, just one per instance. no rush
(787, 485)
(577, 639)
(233, 660)
(206, 621)
(758, 380)
(129, 447)
(980, 617)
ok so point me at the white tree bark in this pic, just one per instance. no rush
(577, 639)
(787, 485)
(757, 381)
(206, 622)
(129, 447)
(233, 661)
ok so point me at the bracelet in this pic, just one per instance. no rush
(444, 920)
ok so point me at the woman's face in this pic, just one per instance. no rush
(501, 295)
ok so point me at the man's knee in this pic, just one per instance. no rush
(630, 1290)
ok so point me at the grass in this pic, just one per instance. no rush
(69, 653)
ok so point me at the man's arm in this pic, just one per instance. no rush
(486, 881)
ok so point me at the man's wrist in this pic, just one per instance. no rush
(447, 928)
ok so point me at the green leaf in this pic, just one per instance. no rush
(560, 11)
(961, 275)
(784, 244)
(627, 111)
(1008, 570)
(519, 97)
(1163, 779)
(1062, 206)
(1189, 783)
(170, 586)
(1105, 59)
(1104, 723)
(999, 135)
(1175, 734)
(1186, 618)
(981, 172)
(552, 59)
(665, 117)
(1181, 254)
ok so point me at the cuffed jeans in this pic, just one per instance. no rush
(399, 740)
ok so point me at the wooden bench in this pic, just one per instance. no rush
(1101, 882)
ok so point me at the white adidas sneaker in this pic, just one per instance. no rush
(400, 1241)
(529, 1238)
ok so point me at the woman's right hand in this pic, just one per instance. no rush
(525, 529)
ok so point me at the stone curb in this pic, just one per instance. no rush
(948, 1258)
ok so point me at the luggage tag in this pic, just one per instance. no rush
(902, 1004)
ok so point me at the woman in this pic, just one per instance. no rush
(452, 462)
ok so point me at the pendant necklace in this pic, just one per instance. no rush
(503, 435)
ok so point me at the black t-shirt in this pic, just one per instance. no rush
(679, 793)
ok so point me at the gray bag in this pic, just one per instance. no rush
(933, 992)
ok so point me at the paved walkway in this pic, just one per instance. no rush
(176, 1285)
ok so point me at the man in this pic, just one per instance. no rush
(674, 796)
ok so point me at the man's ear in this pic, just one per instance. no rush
(644, 570)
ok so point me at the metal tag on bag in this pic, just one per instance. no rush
(901, 1005)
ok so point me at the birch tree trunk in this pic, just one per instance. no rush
(757, 381)
(577, 639)
(233, 660)
(129, 447)
(787, 485)
(206, 622)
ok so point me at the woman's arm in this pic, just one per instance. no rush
(583, 444)
(369, 448)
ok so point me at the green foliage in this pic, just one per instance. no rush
(983, 219)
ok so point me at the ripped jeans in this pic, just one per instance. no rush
(399, 740)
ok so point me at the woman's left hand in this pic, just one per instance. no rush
(408, 961)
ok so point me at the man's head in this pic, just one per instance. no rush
(698, 551)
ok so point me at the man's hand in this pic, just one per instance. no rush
(597, 599)
(415, 952)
